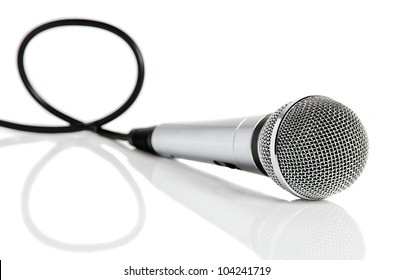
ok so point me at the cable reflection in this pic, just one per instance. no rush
(94, 144)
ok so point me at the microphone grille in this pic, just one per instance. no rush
(314, 147)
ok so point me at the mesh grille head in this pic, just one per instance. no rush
(314, 147)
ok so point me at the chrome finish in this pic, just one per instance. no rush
(224, 142)
(314, 147)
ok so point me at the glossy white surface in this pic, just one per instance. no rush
(82, 207)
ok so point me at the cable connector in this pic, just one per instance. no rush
(140, 138)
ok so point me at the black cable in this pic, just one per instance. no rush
(76, 125)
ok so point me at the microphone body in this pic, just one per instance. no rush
(232, 143)
(313, 147)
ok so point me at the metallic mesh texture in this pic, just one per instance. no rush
(321, 147)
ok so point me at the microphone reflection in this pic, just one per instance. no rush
(271, 227)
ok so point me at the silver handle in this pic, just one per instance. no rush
(225, 142)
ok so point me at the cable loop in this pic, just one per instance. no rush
(76, 125)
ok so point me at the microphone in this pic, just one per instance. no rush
(313, 147)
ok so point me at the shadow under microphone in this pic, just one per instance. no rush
(313, 147)
(271, 227)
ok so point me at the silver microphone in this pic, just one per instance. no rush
(313, 147)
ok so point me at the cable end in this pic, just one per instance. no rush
(140, 138)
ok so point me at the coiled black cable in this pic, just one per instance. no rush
(74, 124)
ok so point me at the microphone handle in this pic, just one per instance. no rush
(231, 143)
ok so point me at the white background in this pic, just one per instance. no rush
(66, 201)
